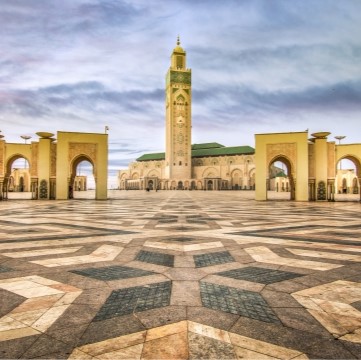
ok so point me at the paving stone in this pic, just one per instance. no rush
(181, 239)
(13, 349)
(110, 328)
(135, 299)
(45, 346)
(217, 319)
(203, 347)
(259, 275)
(214, 258)
(235, 301)
(248, 301)
(155, 258)
(4, 269)
(112, 272)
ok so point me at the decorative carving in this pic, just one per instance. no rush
(321, 190)
(288, 150)
(87, 149)
(34, 159)
(331, 160)
(180, 77)
(43, 191)
(2, 152)
(53, 160)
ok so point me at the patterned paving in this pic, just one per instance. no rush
(180, 274)
(155, 258)
(112, 273)
(259, 275)
(46, 300)
(241, 302)
(134, 299)
(212, 259)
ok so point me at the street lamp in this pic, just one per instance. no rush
(339, 138)
(106, 129)
(25, 137)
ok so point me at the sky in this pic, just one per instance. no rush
(258, 66)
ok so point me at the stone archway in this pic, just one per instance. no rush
(51, 164)
(8, 180)
(354, 184)
(237, 179)
(73, 167)
(293, 149)
(290, 173)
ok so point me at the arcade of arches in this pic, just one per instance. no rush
(311, 165)
(51, 171)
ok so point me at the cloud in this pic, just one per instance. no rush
(257, 66)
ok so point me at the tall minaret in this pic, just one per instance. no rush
(178, 117)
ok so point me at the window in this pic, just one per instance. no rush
(180, 62)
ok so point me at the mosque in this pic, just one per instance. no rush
(209, 166)
(311, 172)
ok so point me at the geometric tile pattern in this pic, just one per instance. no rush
(242, 302)
(112, 272)
(155, 258)
(135, 299)
(182, 340)
(32, 253)
(212, 259)
(320, 240)
(331, 305)
(265, 255)
(46, 300)
(183, 247)
(326, 255)
(103, 253)
(259, 275)
(181, 239)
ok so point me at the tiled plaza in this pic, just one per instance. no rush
(180, 275)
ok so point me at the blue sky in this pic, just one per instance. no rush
(257, 66)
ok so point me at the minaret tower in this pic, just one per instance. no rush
(178, 117)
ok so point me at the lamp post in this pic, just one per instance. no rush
(339, 138)
(26, 138)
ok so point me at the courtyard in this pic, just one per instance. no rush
(180, 275)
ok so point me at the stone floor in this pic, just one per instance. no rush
(180, 275)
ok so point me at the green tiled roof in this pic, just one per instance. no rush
(206, 146)
(281, 174)
(204, 151)
(231, 150)
(153, 156)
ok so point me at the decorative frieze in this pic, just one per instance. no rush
(288, 150)
(87, 149)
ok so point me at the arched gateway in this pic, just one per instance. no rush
(52, 164)
(311, 163)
